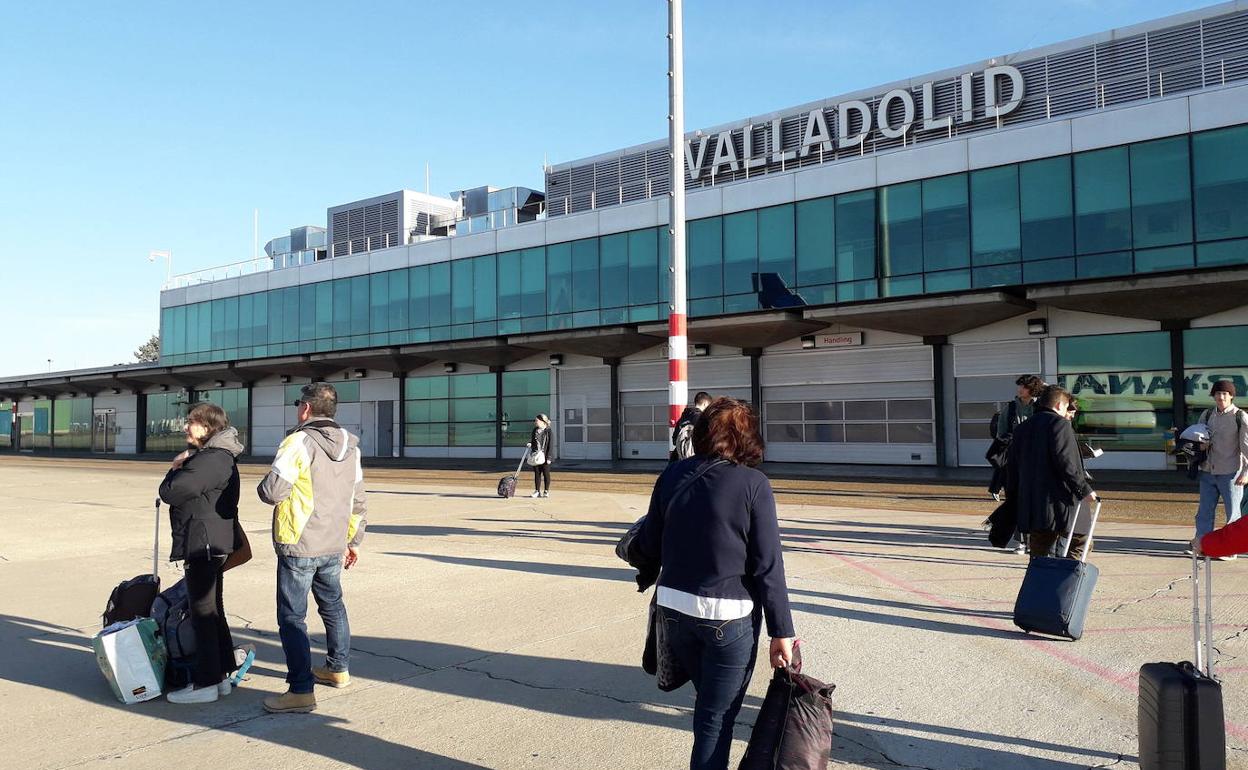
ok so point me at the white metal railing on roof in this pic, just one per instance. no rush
(221, 272)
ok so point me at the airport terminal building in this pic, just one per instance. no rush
(872, 271)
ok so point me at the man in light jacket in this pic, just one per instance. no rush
(316, 486)
(1225, 470)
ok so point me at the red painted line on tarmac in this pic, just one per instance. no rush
(1128, 681)
(1151, 629)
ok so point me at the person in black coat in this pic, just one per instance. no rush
(540, 441)
(202, 491)
(1045, 473)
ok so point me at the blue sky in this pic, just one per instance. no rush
(133, 126)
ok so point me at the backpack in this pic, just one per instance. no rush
(172, 612)
(684, 441)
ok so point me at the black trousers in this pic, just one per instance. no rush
(214, 646)
(541, 472)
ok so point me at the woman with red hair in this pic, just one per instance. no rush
(712, 525)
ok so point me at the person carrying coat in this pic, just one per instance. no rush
(202, 490)
(712, 527)
(539, 449)
(1045, 473)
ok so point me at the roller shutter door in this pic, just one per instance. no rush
(584, 398)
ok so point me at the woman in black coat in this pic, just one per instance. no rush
(540, 441)
(202, 490)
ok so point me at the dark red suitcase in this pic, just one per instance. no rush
(1180, 706)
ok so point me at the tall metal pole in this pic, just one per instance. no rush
(677, 335)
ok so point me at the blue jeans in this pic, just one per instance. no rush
(719, 656)
(1212, 487)
(321, 574)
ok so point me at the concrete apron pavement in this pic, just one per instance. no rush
(505, 634)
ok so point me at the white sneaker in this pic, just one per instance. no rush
(1224, 558)
(546, 494)
(224, 688)
(193, 694)
(1020, 549)
(536, 494)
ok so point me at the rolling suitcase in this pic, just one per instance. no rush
(1180, 707)
(133, 598)
(1055, 593)
(507, 484)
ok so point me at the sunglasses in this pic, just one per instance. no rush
(299, 402)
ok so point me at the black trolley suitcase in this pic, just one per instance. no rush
(507, 484)
(1056, 592)
(133, 598)
(1180, 706)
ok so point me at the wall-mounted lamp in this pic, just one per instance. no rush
(116, 391)
(808, 342)
(360, 373)
(164, 388)
(285, 379)
(220, 383)
(1037, 326)
(556, 359)
(700, 350)
(449, 368)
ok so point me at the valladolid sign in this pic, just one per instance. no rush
(854, 121)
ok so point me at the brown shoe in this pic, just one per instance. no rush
(330, 678)
(291, 703)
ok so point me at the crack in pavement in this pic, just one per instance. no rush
(581, 690)
(1168, 587)
(882, 754)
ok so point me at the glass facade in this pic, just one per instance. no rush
(234, 402)
(166, 418)
(455, 410)
(6, 424)
(1162, 205)
(1209, 355)
(526, 394)
(1123, 384)
(71, 424)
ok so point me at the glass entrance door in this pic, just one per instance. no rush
(104, 431)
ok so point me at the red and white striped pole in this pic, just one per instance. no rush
(677, 336)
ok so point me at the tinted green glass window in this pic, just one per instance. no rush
(470, 385)
(398, 299)
(613, 276)
(705, 247)
(1102, 201)
(1222, 253)
(855, 236)
(244, 321)
(1220, 168)
(559, 278)
(509, 284)
(526, 383)
(1161, 203)
(1045, 195)
(643, 266)
(484, 288)
(1101, 265)
(418, 296)
(218, 324)
(324, 325)
(439, 294)
(342, 307)
(533, 282)
(901, 232)
(585, 274)
(995, 224)
(260, 318)
(949, 280)
(461, 291)
(378, 302)
(1168, 258)
(740, 251)
(776, 247)
(307, 311)
(946, 223)
(1217, 346)
(816, 241)
(1114, 352)
(359, 305)
(427, 387)
(275, 316)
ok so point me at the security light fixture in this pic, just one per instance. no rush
(556, 359)
(1037, 326)
(700, 350)
(808, 342)
(449, 368)
(285, 379)
(116, 391)
(164, 388)
(360, 373)
(220, 383)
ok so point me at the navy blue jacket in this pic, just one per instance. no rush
(722, 539)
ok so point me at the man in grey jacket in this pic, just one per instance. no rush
(1225, 470)
(316, 486)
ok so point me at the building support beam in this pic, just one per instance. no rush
(1178, 378)
(938, 344)
(616, 417)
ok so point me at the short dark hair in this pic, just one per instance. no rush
(210, 416)
(1054, 395)
(702, 399)
(321, 397)
(729, 429)
(1032, 383)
